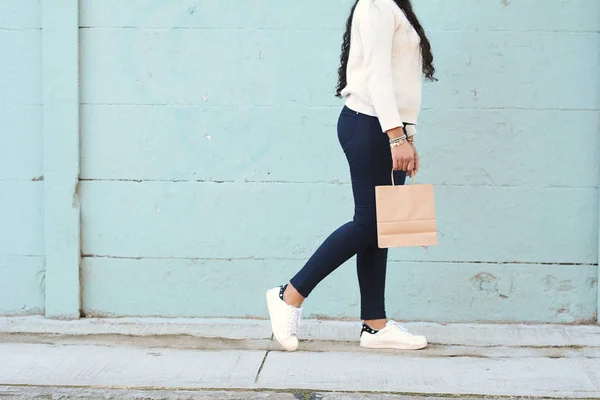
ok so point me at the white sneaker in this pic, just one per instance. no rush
(393, 336)
(284, 319)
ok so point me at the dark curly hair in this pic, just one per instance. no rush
(406, 6)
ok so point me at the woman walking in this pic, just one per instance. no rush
(385, 54)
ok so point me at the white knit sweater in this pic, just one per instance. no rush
(384, 72)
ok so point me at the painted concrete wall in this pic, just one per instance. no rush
(210, 168)
(21, 159)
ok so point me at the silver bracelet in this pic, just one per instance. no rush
(398, 139)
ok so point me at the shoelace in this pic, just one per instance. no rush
(396, 325)
(294, 319)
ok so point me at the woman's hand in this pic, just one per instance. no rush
(403, 157)
(412, 173)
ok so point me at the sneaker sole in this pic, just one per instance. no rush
(395, 347)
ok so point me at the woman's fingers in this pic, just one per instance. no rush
(416, 169)
(403, 159)
(407, 163)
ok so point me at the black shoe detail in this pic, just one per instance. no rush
(282, 291)
(368, 329)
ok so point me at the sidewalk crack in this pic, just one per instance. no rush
(261, 366)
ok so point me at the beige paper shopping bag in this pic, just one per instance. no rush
(405, 215)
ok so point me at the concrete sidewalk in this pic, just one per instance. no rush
(39, 393)
(148, 354)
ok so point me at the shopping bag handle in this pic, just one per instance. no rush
(394, 184)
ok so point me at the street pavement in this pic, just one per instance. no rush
(231, 359)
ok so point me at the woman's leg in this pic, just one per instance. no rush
(368, 153)
(371, 263)
(371, 266)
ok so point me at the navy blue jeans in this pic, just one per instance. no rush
(368, 152)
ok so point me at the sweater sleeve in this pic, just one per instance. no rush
(377, 34)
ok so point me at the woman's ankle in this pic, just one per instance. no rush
(292, 297)
(376, 324)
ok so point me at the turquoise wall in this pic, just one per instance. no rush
(21, 159)
(210, 168)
